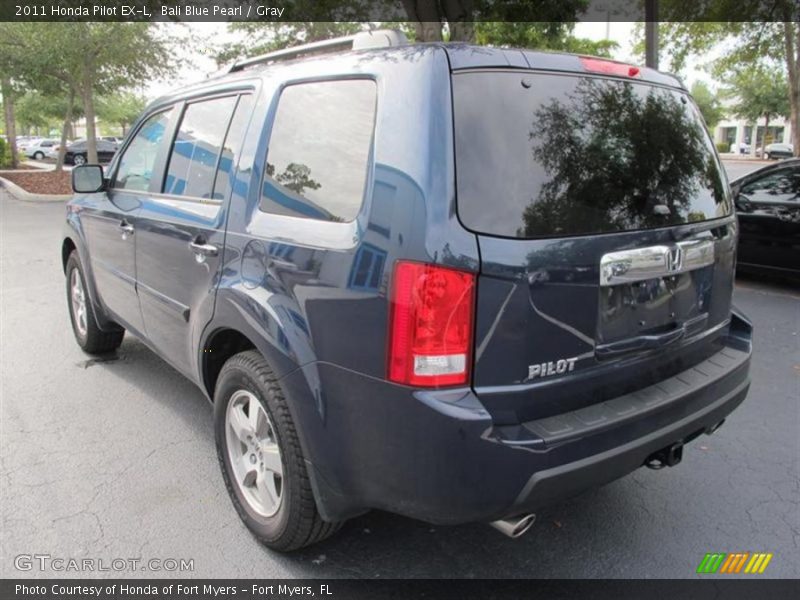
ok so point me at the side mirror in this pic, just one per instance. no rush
(88, 179)
(742, 203)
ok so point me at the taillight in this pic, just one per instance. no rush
(430, 325)
(609, 67)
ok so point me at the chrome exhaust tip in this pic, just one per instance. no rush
(515, 526)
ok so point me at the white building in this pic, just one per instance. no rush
(738, 133)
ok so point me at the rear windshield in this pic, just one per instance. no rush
(541, 155)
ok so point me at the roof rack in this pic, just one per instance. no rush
(380, 38)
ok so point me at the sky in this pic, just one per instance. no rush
(195, 63)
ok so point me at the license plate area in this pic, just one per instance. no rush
(653, 296)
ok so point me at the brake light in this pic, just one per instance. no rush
(430, 325)
(609, 67)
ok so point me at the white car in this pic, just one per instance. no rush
(24, 142)
(39, 149)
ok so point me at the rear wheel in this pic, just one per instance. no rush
(38, 155)
(78, 160)
(89, 336)
(261, 459)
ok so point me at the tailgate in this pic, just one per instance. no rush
(606, 237)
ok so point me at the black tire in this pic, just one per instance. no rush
(79, 159)
(297, 522)
(92, 340)
(38, 156)
(769, 156)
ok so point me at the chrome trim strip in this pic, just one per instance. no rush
(640, 264)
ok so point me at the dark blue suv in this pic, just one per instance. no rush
(451, 282)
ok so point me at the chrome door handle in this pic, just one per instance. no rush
(204, 249)
(126, 229)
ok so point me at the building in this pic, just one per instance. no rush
(738, 133)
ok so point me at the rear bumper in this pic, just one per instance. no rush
(437, 456)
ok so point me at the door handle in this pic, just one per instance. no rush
(126, 229)
(200, 248)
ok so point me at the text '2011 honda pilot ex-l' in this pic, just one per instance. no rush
(450, 282)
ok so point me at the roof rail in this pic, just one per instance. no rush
(380, 38)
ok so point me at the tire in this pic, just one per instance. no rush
(291, 521)
(769, 156)
(78, 160)
(38, 156)
(89, 336)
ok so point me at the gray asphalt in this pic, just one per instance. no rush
(116, 460)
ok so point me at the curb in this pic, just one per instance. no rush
(25, 196)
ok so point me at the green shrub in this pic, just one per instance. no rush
(723, 147)
(5, 155)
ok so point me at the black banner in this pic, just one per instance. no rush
(484, 589)
(394, 10)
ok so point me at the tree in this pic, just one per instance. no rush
(708, 103)
(757, 92)
(542, 36)
(462, 18)
(41, 110)
(260, 38)
(764, 34)
(120, 108)
(91, 58)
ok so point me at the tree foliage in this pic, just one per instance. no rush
(765, 35)
(120, 108)
(79, 60)
(709, 104)
(757, 92)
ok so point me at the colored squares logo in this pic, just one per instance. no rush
(735, 562)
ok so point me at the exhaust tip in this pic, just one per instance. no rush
(515, 526)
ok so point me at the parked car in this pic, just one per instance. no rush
(24, 142)
(77, 152)
(353, 256)
(39, 150)
(768, 208)
(117, 141)
(778, 150)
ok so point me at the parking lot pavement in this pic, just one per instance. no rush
(116, 460)
(739, 167)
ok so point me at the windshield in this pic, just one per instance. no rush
(540, 155)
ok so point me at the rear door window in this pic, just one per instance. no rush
(542, 155)
(197, 147)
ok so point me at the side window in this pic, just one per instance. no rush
(319, 150)
(783, 185)
(233, 144)
(197, 146)
(136, 165)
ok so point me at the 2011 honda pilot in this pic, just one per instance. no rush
(451, 282)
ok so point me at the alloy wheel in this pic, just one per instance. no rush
(253, 452)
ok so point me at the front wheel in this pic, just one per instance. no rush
(78, 160)
(261, 459)
(89, 336)
(38, 156)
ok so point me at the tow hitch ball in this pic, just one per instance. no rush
(666, 457)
